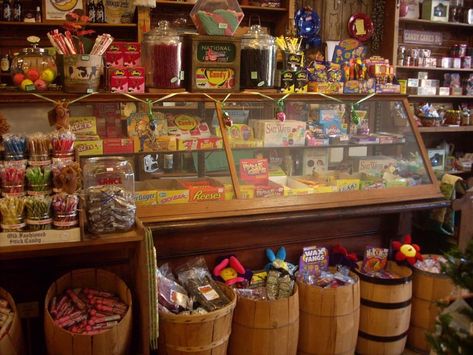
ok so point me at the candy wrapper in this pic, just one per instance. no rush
(171, 295)
(374, 260)
(65, 210)
(87, 311)
(313, 261)
(110, 208)
(431, 263)
(62, 143)
(196, 278)
(279, 284)
(257, 294)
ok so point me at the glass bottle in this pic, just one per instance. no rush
(6, 11)
(100, 12)
(5, 63)
(258, 59)
(17, 11)
(163, 54)
(91, 11)
(37, 15)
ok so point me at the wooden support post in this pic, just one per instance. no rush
(465, 206)
(144, 21)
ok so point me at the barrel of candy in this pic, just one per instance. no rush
(115, 340)
(205, 334)
(385, 312)
(328, 319)
(11, 337)
(264, 327)
(427, 289)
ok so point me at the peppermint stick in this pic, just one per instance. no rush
(62, 142)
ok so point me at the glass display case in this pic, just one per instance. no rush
(201, 156)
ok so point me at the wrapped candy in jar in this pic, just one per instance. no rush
(33, 69)
(12, 212)
(258, 59)
(109, 187)
(163, 58)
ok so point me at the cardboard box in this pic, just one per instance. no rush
(326, 87)
(160, 192)
(89, 147)
(373, 166)
(444, 91)
(118, 79)
(160, 143)
(435, 10)
(118, 145)
(247, 190)
(199, 143)
(145, 193)
(205, 189)
(347, 184)
(314, 160)
(274, 133)
(83, 125)
(292, 187)
(270, 190)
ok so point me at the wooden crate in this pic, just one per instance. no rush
(213, 56)
(114, 341)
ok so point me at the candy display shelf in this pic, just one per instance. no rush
(246, 8)
(403, 67)
(442, 97)
(56, 24)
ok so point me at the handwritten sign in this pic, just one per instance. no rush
(422, 37)
(254, 171)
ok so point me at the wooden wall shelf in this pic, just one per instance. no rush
(190, 5)
(435, 23)
(59, 24)
(441, 97)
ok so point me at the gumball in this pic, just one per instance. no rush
(281, 116)
(26, 83)
(40, 85)
(18, 78)
(48, 75)
(32, 74)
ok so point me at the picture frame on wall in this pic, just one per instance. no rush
(56, 10)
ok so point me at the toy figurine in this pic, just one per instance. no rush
(278, 261)
(231, 271)
(59, 116)
(406, 250)
(340, 256)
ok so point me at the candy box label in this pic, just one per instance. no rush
(247, 191)
(348, 185)
(274, 133)
(199, 143)
(269, 190)
(201, 190)
(375, 259)
(332, 124)
(313, 261)
(92, 147)
(254, 171)
(146, 198)
(373, 165)
(216, 52)
(214, 78)
(40, 237)
(114, 55)
(83, 125)
(118, 80)
(131, 54)
(136, 79)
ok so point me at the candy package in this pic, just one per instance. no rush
(171, 295)
(374, 260)
(431, 263)
(196, 278)
(313, 261)
(258, 294)
(279, 284)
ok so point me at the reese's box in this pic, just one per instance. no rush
(247, 190)
(204, 189)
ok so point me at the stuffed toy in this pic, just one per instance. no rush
(231, 271)
(340, 256)
(278, 261)
(406, 251)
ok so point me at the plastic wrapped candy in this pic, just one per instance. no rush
(431, 263)
(171, 295)
(217, 17)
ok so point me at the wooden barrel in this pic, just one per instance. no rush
(205, 334)
(12, 342)
(114, 341)
(265, 327)
(427, 289)
(384, 312)
(328, 319)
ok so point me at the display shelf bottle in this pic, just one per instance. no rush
(91, 11)
(258, 59)
(99, 12)
(163, 58)
(6, 11)
(37, 15)
(16, 11)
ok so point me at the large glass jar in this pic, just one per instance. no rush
(163, 58)
(109, 188)
(258, 59)
(33, 69)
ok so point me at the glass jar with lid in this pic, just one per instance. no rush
(163, 54)
(109, 188)
(258, 59)
(33, 69)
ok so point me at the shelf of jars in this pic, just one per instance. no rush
(429, 23)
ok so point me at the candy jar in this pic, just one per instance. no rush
(258, 59)
(33, 69)
(109, 188)
(163, 58)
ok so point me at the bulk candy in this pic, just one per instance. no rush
(38, 212)
(431, 263)
(12, 209)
